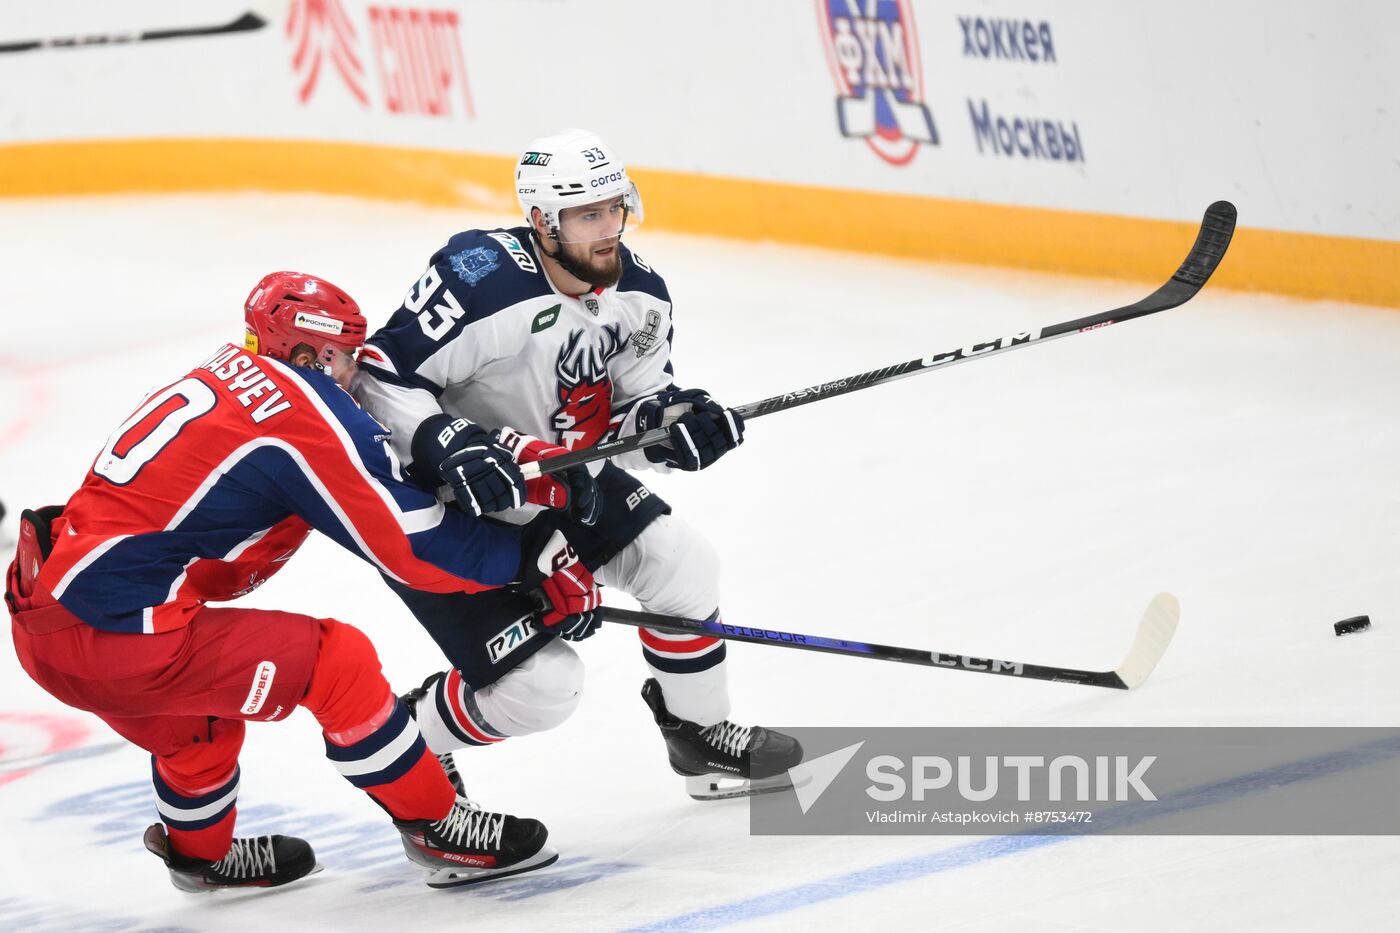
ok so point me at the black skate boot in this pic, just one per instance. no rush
(411, 699)
(257, 862)
(724, 760)
(471, 845)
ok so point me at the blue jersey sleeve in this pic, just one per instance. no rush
(342, 478)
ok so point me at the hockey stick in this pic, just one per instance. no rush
(1154, 633)
(1212, 240)
(248, 22)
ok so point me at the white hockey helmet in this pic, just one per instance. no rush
(575, 168)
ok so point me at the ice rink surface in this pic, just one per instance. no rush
(1241, 452)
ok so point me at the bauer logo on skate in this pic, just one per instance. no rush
(872, 48)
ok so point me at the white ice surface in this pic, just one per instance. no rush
(1240, 451)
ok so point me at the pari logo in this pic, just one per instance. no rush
(873, 50)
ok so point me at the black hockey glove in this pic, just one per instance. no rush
(482, 473)
(702, 430)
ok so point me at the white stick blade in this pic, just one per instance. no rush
(1154, 633)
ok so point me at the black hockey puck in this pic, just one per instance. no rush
(1354, 624)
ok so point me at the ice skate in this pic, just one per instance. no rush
(255, 862)
(724, 760)
(471, 845)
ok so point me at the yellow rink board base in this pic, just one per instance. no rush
(1299, 264)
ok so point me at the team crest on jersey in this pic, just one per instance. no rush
(473, 265)
(873, 50)
(644, 339)
(585, 389)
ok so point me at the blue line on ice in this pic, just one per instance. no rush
(985, 850)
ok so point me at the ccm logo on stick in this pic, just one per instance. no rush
(973, 349)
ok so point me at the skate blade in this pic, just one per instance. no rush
(454, 877)
(728, 786)
(194, 885)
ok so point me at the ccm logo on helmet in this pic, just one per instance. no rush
(606, 179)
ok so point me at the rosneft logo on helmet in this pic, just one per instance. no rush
(536, 158)
(324, 325)
(250, 341)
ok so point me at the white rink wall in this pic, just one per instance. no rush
(1101, 120)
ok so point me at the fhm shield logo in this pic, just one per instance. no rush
(873, 51)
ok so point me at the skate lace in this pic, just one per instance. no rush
(249, 858)
(727, 737)
(471, 827)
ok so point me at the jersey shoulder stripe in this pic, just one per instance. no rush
(637, 276)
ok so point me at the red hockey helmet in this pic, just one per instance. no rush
(288, 309)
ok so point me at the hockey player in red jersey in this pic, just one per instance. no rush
(558, 328)
(200, 496)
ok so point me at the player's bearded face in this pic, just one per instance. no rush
(598, 263)
(590, 238)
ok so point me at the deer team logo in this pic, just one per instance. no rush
(873, 51)
(585, 390)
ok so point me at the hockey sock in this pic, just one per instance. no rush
(200, 822)
(691, 672)
(370, 737)
(391, 763)
(450, 718)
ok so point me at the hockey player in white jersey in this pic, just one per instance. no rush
(520, 343)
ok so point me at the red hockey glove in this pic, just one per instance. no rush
(573, 490)
(570, 589)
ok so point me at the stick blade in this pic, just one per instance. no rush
(1154, 634)
(1213, 239)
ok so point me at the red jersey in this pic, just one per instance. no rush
(215, 481)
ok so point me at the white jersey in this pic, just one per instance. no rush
(485, 335)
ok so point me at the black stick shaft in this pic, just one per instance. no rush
(860, 649)
(246, 23)
(1212, 240)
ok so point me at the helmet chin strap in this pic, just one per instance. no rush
(577, 270)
